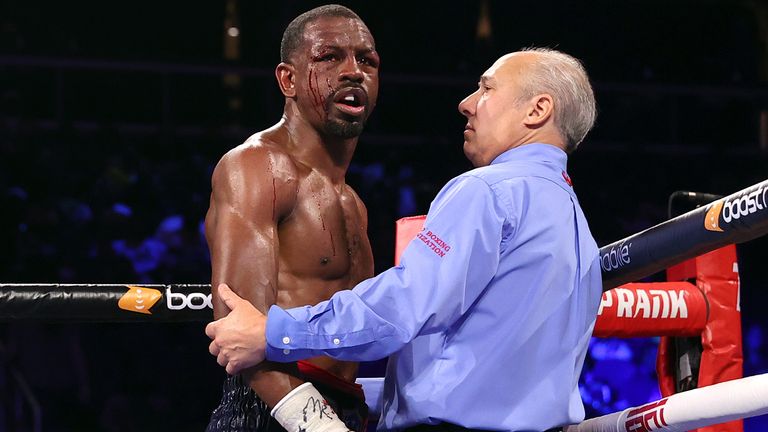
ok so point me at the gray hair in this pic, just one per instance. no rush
(566, 80)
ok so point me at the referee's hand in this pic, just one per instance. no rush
(239, 339)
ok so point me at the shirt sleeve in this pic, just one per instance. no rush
(442, 272)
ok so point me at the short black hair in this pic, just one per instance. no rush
(294, 33)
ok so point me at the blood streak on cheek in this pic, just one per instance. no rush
(331, 90)
(314, 91)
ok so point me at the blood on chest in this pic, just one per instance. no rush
(320, 241)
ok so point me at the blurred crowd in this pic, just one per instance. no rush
(100, 209)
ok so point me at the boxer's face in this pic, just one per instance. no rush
(495, 113)
(337, 75)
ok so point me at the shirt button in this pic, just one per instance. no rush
(286, 340)
(286, 351)
(336, 341)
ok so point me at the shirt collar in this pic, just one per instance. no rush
(534, 151)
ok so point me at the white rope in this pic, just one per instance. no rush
(718, 403)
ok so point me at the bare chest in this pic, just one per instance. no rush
(324, 238)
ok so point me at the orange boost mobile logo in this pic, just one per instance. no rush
(712, 219)
(139, 299)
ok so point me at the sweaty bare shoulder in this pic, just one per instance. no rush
(255, 176)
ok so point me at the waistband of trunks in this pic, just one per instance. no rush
(321, 376)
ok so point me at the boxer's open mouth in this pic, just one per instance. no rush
(351, 101)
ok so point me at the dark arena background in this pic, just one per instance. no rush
(113, 115)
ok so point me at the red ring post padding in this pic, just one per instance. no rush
(652, 309)
(405, 231)
(716, 274)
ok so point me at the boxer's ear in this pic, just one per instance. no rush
(286, 79)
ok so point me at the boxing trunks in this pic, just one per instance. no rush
(240, 410)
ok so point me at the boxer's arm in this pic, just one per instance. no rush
(241, 229)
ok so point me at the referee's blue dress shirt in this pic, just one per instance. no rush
(487, 318)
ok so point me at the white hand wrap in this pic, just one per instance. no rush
(304, 409)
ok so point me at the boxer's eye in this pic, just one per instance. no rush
(369, 61)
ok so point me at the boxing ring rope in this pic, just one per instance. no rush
(721, 402)
(631, 310)
(114, 303)
(736, 218)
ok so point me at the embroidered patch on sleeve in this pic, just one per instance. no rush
(434, 242)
